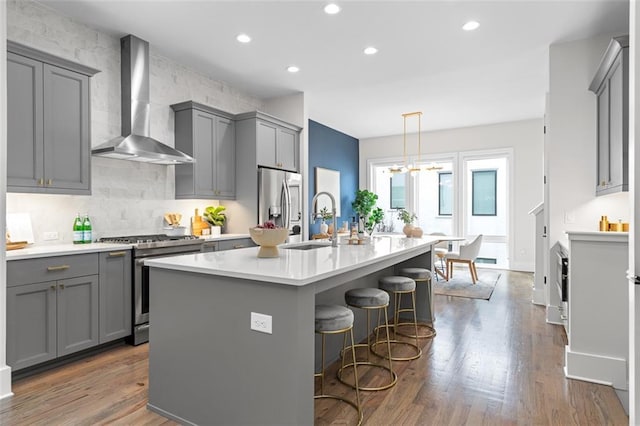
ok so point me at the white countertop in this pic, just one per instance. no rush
(294, 267)
(610, 236)
(48, 250)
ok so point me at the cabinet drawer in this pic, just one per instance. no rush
(235, 244)
(29, 271)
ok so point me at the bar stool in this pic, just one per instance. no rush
(420, 275)
(398, 286)
(335, 319)
(368, 299)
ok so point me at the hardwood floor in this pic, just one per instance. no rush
(492, 362)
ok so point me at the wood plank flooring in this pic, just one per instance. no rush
(492, 362)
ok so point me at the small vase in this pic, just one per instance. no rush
(416, 232)
(324, 228)
(408, 230)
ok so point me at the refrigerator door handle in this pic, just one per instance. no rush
(286, 208)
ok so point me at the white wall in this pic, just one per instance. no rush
(127, 197)
(524, 137)
(571, 147)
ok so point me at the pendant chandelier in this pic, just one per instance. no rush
(407, 166)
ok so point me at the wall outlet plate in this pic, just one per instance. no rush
(50, 236)
(261, 322)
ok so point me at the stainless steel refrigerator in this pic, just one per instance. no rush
(280, 200)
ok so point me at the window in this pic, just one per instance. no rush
(398, 191)
(483, 192)
(445, 193)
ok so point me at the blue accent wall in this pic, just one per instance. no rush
(331, 149)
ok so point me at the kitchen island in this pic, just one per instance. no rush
(206, 364)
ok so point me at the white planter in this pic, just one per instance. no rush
(324, 228)
(215, 230)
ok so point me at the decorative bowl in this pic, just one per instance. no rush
(268, 239)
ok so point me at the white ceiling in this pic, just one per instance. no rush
(425, 61)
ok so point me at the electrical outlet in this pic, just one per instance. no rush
(261, 322)
(50, 236)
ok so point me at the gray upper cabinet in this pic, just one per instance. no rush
(48, 123)
(208, 135)
(611, 86)
(115, 295)
(276, 143)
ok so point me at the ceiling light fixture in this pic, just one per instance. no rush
(370, 50)
(470, 26)
(243, 38)
(331, 9)
(293, 69)
(414, 169)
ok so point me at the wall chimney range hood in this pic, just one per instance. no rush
(135, 144)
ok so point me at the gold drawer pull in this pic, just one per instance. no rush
(49, 182)
(238, 246)
(117, 253)
(40, 182)
(58, 268)
(61, 286)
(53, 287)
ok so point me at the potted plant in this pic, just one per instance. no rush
(407, 218)
(364, 205)
(216, 218)
(326, 215)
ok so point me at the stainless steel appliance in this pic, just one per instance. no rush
(145, 247)
(280, 200)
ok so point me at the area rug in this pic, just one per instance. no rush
(462, 286)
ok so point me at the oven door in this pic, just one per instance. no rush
(141, 284)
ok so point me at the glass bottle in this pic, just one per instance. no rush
(78, 233)
(86, 230)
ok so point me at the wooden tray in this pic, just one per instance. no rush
(16, 245)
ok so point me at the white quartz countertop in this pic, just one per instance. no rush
(47, 250)
(295, 267)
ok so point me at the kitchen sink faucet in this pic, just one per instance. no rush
(334, 235)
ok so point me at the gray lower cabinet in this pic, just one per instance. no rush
(611, 86)
(208, 135)
(235, 244)
(51, 319)
(272, 142)
(48, 123)
(60, 305)
(115, 295)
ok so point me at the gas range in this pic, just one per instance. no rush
(142, 242)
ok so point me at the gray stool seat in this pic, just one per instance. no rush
(333, 318)
(366, 297)
(418, 274)
(396, 283)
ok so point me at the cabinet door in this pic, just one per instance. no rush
(616, 124)
(603, 138)
(286, 149)
(66, 130)
(25, 151)
(235, 244)
(77, 314)
(204, 132)
(225, 159)
(266, 144)
(31, 324)
(115, 295)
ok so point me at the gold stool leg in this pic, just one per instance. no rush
(430, 330)
(397, 300)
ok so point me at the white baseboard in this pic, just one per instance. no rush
(596, 368)
(554, 316)
(521, 266)
(5, 382)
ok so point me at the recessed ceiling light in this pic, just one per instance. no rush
(243, 38)
(470, 26)
(370, 50)
(293, 68)
(331, 9)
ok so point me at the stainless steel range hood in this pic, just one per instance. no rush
(135, 144)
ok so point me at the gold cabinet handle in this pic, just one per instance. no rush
(58, 268)
(53, 287)
(49, 182)
(61, 286)
(238, 246)
(117, 253)
(40, 182)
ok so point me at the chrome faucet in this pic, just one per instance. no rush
(334, 235)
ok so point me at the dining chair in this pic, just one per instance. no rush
(467, 253)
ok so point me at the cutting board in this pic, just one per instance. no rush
(198, 224)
